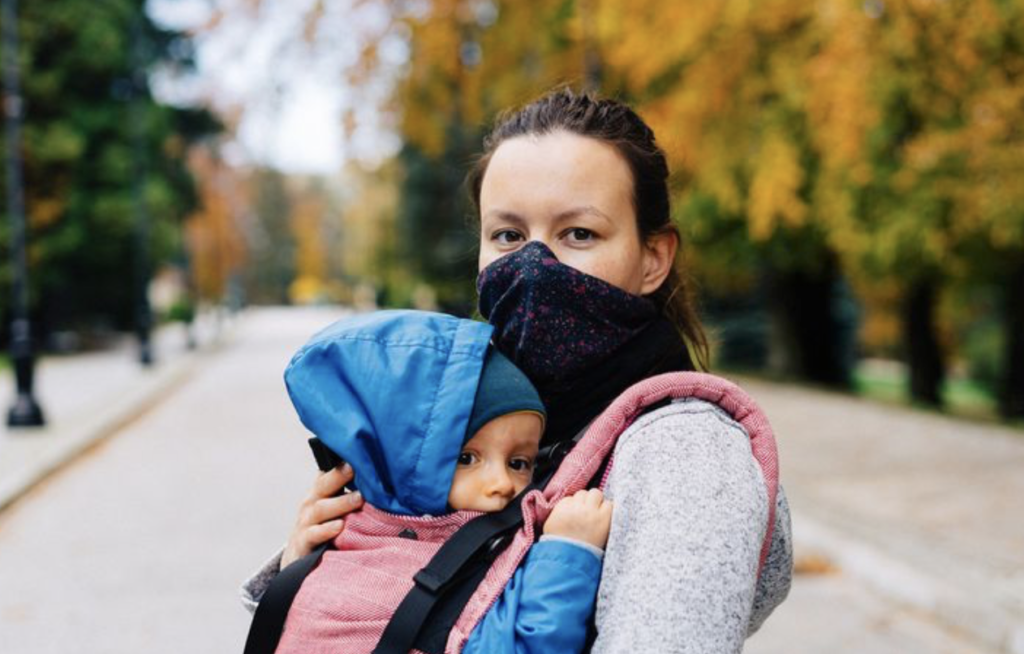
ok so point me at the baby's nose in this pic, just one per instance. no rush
(501, 484)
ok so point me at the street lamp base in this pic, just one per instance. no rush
(25, 412)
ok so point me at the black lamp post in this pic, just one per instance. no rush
(25, 411)
(143, 311)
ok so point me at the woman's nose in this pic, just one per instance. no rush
(543, 240)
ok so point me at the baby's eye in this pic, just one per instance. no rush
(507, 236)
(466, 458)
(520, 465)
(579, 234)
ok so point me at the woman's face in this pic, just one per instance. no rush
(575, 195)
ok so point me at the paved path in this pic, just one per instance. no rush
(835, 613)
(140, 545)
(926, 509)
(86, 397)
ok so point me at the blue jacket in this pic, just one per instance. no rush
(391, 392)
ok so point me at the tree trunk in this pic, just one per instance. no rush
(816, 340)
(927, 370)
(1011, 396)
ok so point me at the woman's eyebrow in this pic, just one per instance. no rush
(588, 210)
(561, 216)
(506, 216)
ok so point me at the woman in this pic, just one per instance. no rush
(578, 277)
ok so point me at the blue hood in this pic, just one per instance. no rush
(391, 392)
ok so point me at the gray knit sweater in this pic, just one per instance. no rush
(680, 568)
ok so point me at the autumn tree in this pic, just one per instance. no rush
(215, 230)
(319, 232)
(818, 147)
(270, 240)
(921, 196)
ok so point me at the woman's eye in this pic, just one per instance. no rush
(507, 237)
(465, 459)
(520, 465)
(579, 234)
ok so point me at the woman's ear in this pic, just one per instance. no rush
(658, 257)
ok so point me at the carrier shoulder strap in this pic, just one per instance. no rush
(440, 590)
(272, 611)
(641, 400)
(480, 539)
(268, 621)
(443, 588)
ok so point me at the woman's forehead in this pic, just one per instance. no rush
(554, 173)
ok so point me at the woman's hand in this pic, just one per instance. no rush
(320, 513)
(585, 516)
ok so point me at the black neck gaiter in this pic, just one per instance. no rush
(580, 340)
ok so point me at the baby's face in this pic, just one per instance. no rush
(496, 463)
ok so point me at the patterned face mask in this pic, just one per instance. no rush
(552, 320)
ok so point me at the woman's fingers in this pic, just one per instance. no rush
(321, 512)
(330, 508)
(330, 483)
(323, 503)
(305, 539)
(322, 533)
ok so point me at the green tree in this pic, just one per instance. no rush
(92, 132)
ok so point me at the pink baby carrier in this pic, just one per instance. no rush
(389, 563)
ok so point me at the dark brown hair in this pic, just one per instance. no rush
(616, 124)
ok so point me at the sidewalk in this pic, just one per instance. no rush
(926, 509)
(86, 397)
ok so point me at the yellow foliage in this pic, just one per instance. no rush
(307, 223)
(775, 189)
(310, 290)
(894, 126)
(45, 211)
(213, 233)
(367, 220)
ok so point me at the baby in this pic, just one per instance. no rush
(438, 427)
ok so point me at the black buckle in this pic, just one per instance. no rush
(428, 581)
(435, 584)
(497, 545)
(548, 460)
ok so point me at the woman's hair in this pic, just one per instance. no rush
(616, 124)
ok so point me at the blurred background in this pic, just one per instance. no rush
(847, 178)
(847, 174)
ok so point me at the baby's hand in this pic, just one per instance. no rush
(585, 516)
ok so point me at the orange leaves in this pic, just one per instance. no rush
(775, 188)
(840, 109)
(308, 219)
(645, 37)
(43, 212)
(892, 128)
(213, 232)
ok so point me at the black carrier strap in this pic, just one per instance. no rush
(464, 557)
(268, 621)
(443, 588)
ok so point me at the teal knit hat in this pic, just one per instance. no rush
(503, 389)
